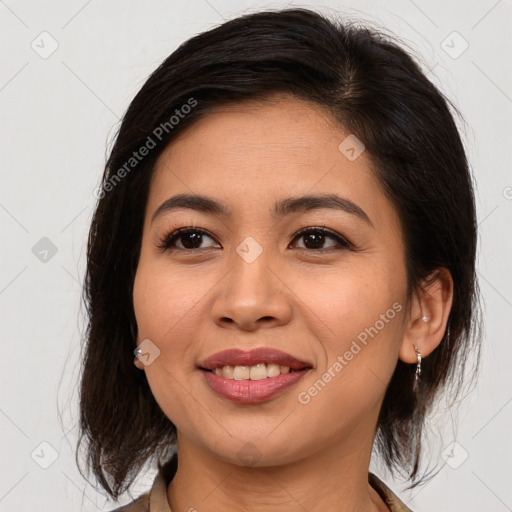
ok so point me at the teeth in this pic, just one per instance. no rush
(273, 370)
(257, 372)
(241, 372)
(227, 371)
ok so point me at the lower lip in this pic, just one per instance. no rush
(252, 391)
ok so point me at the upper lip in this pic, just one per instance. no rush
(237, 357)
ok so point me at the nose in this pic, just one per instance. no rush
(252, 296)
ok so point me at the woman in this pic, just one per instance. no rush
(285, 238)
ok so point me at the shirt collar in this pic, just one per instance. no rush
(158, 494)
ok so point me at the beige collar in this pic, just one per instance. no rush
(156, 499)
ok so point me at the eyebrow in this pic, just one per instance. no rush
(206, 204)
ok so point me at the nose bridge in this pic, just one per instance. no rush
(251, 293)
(249, 263)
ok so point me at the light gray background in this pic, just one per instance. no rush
(58, 113)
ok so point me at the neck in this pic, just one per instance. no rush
(335, 478)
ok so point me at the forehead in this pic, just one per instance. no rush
(263, 129)
(252, 153)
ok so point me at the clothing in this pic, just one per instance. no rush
(155, 500)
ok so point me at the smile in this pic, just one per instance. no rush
(257, 372)
(249, 391)
(252, 376)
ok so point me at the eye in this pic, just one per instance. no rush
(315, 237)
(189, 238)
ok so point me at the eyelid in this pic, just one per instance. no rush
(174, 233)
(340, 239)
(164, 242)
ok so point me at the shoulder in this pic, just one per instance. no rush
(155, 500)
(141, 504)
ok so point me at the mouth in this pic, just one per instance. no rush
(258, 371)
(252, 376)
(255, 364)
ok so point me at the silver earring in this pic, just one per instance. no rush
(137, 353)
(425, 319)
(418, 369)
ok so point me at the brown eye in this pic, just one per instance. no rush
(315, 238)
(185, 239)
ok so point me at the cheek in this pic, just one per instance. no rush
(359, 316)
(164, 310)
(351, 299)
(165, 301)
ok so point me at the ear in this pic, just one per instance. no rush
(429, 311)
(137, 362)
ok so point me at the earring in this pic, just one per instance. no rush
(137, 353)
(418, 369)
(425, 319)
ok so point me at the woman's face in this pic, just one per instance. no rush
(246, 279)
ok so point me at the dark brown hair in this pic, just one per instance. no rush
(371, 87)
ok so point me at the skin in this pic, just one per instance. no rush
(309, 302)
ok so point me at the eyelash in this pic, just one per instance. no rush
(166, 242)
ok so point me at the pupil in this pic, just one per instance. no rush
(317, 240)
(193, 238)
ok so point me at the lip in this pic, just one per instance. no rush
(252, 391)
(238, 357)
